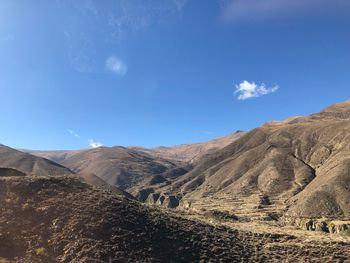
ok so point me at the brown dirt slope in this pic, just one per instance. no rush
(302, 163)
(96, 181)
(135, 168)
(56, 219)
(29, 164)
(193, 152)
(122, 167)
(55, 156)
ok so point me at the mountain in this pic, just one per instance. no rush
(14, 163)
(96, 181)
(55, 156)
(28, 164)
(179, 153)
(125, 168)
(60, 219)
(297, 168)
(193, 152)
(134, 168)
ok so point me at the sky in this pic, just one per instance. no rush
(84, 73)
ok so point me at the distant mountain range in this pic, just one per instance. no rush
(134, 168)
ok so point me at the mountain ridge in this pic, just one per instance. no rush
(301, 165)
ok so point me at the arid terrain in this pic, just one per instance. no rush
(170, 131)
(296, 171)
(278, 193)
(59, 219)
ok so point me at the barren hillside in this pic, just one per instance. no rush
(29, 164)
(55, 156)
(135, 168)
(125, 168)
(193, 152)
(63, 220)
(298, 168)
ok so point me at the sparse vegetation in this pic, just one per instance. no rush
(26, 206)
(41, 252)
(85, 224)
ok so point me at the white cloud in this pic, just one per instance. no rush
(94, 144)
(74, 133)
(247, 90)
(116, 65)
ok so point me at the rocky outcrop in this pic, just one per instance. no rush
(152, 198)
(143, 194)
(320, 224)
(170, 201)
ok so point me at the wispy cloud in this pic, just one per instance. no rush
(89, 8)
(137, 15)
(94, 144)
(71, 132)
(113, 22)
(180, 4)
(252, 10)
(81, 52)
(116, 65)
(247, 90)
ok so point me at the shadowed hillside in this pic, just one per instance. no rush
(29, 164)
(63, 220)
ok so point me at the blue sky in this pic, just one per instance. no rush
(77, 74)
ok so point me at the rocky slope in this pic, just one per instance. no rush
(29, 164)
(298, 168)
(53, 219)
